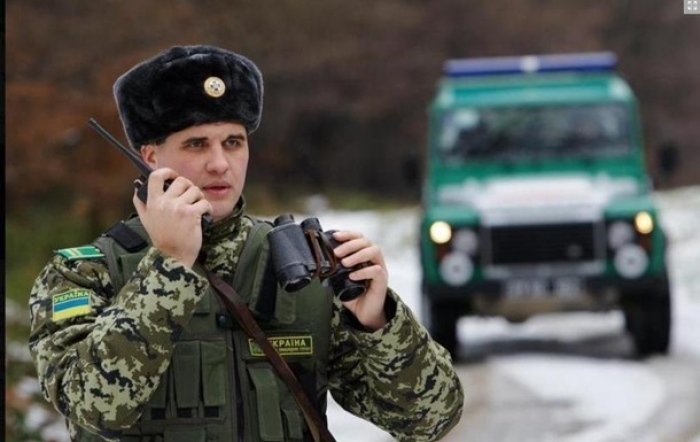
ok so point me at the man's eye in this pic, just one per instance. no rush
(233, 142)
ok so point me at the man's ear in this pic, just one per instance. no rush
(148, 154)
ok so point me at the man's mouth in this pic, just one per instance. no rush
(216, 189)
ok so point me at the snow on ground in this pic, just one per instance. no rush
(597, 389)
(681, 217)
(603, 391)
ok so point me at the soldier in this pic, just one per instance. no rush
(131, 343)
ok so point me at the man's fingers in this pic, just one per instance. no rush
(180, 198)
(192, 194)
(350, 243)
(202, 206)
(346, 235)
(368, 272)
(365, 254)
(157, 178)
(355, 249)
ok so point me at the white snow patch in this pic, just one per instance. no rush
(618, 396)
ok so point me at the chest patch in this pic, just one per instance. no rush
(297, 345)
(69, 304)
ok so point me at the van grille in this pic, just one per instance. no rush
(539, 244)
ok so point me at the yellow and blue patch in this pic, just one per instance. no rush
(70, 304)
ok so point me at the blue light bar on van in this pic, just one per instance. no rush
(581, 62)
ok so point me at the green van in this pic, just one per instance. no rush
(536, 198)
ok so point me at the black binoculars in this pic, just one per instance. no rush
(304, 251)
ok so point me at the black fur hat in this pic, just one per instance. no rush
(185, 86)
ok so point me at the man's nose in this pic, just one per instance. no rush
(217, 161)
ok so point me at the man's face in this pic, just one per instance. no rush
(213, 156)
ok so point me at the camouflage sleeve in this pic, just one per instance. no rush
(100, 363)
(397, 377)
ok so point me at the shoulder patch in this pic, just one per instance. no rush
(84, 252)
(69, 304)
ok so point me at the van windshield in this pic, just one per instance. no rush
(534, 132)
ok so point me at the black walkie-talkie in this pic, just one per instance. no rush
(142, 191)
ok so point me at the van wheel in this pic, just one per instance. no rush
(648, 320)
(440, 318)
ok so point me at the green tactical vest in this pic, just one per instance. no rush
(219, 386)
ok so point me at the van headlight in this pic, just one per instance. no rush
(619, 234)
(456, 268)
(631, 261)
(465, 240)
(440, 232)
(644, 223)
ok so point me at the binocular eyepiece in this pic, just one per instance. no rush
(303, 251)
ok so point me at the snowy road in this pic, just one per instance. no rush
(562, 377)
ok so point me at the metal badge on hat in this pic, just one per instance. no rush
(214, 87)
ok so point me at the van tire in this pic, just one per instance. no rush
(648, 320)
(440, 318)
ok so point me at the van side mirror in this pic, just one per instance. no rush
(410, 170)
(668, 158)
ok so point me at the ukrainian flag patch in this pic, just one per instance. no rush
(72, 303)
(84, 252)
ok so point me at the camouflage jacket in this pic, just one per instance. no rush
(397, 377)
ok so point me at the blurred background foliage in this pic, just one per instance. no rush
(347, 85)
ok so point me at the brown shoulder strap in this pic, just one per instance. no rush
(239, 310)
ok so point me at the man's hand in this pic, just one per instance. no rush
(356, 249)
(173, 217)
